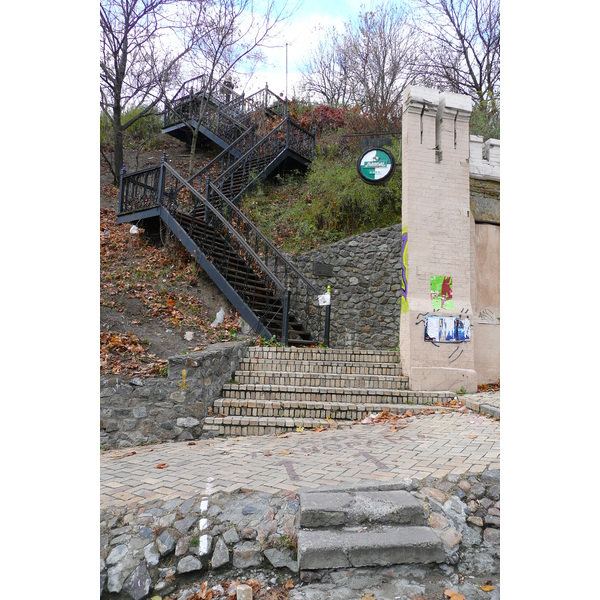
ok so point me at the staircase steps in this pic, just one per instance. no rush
(333, 394)
(306, 366)
(227, 120)
(243, 279)
(364, 528)
(323, 411)
(281, 389)
(329, 380)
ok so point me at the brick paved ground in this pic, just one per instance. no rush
(429, 445)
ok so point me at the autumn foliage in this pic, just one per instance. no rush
(131, 267)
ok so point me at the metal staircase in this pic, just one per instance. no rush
(270, 294)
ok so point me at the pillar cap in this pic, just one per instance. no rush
(415, 94)
(452, 101)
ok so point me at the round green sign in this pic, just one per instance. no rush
(376, 165)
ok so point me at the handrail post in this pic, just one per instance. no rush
(327, 318)
(287, 132)
(207, 199)
(121, 175)
(327, 321)
(161, 179)
(285, 317)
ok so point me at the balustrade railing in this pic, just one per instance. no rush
(214, 199)
(250, 167)
(163, 186)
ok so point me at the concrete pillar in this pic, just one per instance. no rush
(436, 218)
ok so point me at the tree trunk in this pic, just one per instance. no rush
(193, 151)
(118, 142)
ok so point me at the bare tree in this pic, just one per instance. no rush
(136, 64)
(229, 36)
(382, 48)
(325, 71)
(464, 47)
(369, 64)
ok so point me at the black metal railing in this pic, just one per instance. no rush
(304, 301)
(258, 102)
(163, 186)
(194, 93)
(254, 163)
(210, 199)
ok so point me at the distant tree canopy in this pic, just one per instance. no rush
(453, 45)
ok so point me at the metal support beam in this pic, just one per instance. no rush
(245, 311)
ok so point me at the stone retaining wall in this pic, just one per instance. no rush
(147, 411)
(364, 272)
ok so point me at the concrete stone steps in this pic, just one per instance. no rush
(324, 354)
(281, 389)
(250, 425)
(348, 508)
(364, 528)
(339, 367)
(338, 411)
(305, 393)
(350, 380)
(368, 547)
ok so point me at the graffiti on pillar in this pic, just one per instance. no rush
(403, 283)
(441, 292)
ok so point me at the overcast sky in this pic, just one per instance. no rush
(301, 34)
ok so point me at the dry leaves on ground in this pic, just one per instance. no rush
(489, 387)
(132, 268)
(453, 595)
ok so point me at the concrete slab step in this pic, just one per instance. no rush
(368, 547)
(342, 509)
(251, 391)
(387, 382)
(338, 411)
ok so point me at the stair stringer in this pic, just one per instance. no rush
(220, 281)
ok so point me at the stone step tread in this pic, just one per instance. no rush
(303, 384)
(320, 509)
(364, 546)
(357, 354)
(222, 406)
(294, 366)
(323, 376)
(285, 422)
(261, 387)
(325, 360)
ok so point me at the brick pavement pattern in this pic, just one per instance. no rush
(436, 444)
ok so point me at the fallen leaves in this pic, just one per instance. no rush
(385, 417)
(124, 455)
(131, 267)
(453, 595)
(487, 587)
(489, 387)
(162, 465)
